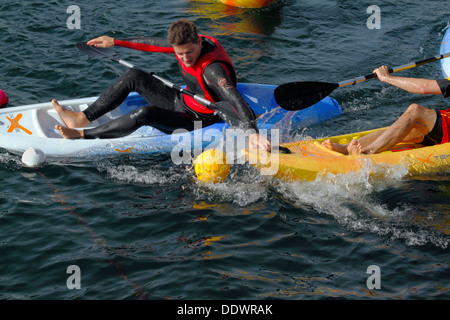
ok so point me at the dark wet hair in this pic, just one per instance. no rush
(181, 32)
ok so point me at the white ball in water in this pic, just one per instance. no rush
(33, 157)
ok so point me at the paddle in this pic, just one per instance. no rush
(301, 95)
(221, 107)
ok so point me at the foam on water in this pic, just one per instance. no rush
(352, 199)
(148, 176)
(10, 161)
(243, 187)
(357, 201)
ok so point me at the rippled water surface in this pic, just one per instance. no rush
(142, 227)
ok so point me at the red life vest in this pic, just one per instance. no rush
(445, 114)
(193, 76)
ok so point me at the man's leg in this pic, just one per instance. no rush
(412, 126)
(133, 80)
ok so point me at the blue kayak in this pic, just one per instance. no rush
(445, 47)
(33, 126)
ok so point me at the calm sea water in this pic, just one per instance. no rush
(141, 227)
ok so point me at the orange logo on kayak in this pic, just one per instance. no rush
(427, 160)
(15, 124)
(126, 150)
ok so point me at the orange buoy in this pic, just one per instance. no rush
(249, 3)
(3, 98)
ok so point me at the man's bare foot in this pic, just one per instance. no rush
(341, 148)
(69, 133)
(354, 148)
(71, 119)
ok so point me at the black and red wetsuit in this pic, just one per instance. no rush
(213, 76)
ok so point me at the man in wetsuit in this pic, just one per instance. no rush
(206, 69)
(417, 124)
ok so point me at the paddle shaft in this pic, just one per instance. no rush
(198, 98)
(303, 94)
(396, 69)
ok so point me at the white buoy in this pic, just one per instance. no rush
(33, 157)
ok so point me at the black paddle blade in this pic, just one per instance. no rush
(102, 53)
(301, 95)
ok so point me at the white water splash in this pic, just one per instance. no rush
(351, 199)
(148, 176)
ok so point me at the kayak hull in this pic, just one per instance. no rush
(310, 160)
(33, 126)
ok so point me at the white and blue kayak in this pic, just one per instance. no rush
(445, 47)
(33, 126)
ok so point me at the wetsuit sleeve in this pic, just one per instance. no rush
(217, 79)
(444, 84)
(150, 44)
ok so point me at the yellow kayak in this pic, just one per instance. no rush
(309, 159)
(249, 3)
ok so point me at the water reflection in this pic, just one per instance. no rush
(227, 20)
(249, 29)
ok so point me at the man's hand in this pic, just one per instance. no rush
(102, 42)
(255, 140)
(382, 73)
(413, 85)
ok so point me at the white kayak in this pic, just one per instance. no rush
(34, 126)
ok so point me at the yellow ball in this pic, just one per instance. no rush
(212, 166)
